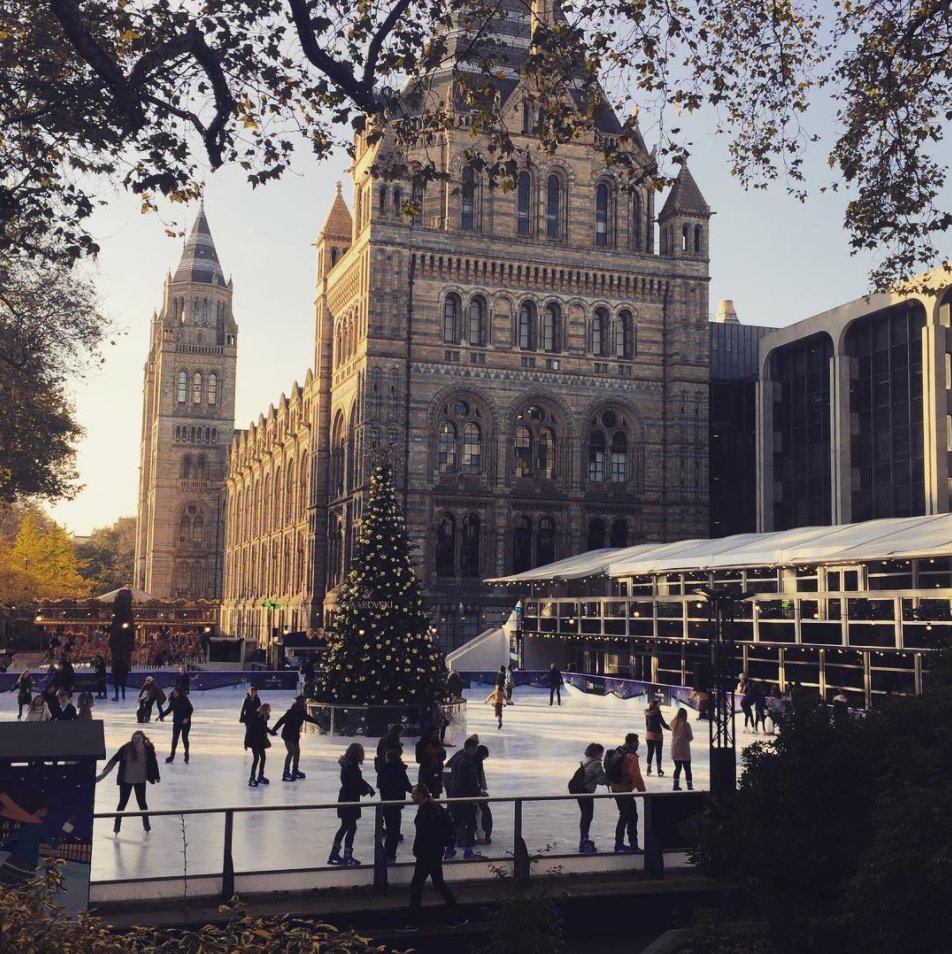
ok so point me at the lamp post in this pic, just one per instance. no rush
(722, 608)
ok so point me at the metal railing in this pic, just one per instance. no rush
(657, 838)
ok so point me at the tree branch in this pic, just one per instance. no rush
(373, 51)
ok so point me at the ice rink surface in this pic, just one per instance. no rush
(535, 753)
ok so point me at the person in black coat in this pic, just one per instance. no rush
(256, 739)
(120, 676)
(434, 833)
(23, 687)
(352, 787)
(555, 684)
(393, 782)
(137, 765)
(250, 706)
(101, 675)
(390, 741)
(463, 771)
(181, 709)
(183, 680)
(430, 756)
(67, 711)
(290, 724)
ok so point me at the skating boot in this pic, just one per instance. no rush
(298, 774)
(334, 858)
(253, 782)
(287, 777)
(263, 781)
(471, 854)
(676, 787)
(449, 854)
(690, 786)
(349, 860)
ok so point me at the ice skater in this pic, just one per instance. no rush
(654, 723)
(352, 787)
(508, 685)
(120, 677)
(555, 684)
(430, 756)
(101, 677)
(482, 808)
(682, 735)
(256, 739)
(181, 708)
(394, 784)
(624, 776)
(149, 695)
(38, 710)
(290, 725)
(137, 765)
(23, 687)
(592, 775)
(498, 699)
(250, 705)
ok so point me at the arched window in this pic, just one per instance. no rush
(468, 199)
(599, 332)
(546, 454)
(445, 550)
(618, 469)
(596, 456)
(522, 545)
(201, 469)
(619, 534)
(637, 235)
(523, 452)
(523, 203)
(553, 207)
(698, 234)
(338, 444)
(551, 328)
(416, 195)
(185, 528)
(476, 332)
(526, 335)
(601, 214)
(596, 534)
(398, 200)
(198, 529)
(469, 550)
(526, 116)
(684, 237)
(181, 391)
(213, 389)
(186, 469)
(623, 336)
(382, 201)
(451, 309)
(472, 449)
(335, 254)
(545, 542)
(197, 388)
(447, 448)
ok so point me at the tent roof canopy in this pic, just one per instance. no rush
(889, 539)
(138, 596)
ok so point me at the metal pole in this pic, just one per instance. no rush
(380, 857)
(228, 865)
(520, 854)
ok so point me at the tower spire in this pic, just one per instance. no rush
(199, 262)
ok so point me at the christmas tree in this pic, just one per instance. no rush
(380, 643)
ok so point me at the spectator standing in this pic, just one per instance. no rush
(181, 708)
(654, 724)
(555, 684)
(624, 775)
(682, 735)
(137, 766)
(352, 787)
(483, 809)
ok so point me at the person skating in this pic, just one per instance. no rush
(86, 704)
(149, 695)
(101, 676)
(498, 699)
(454, 685)
(352, 787)
(23, 687)
(290, 725)
(183, 680)
(555, 684)
(66, 710)
(434, 833)
(181, 708)
(624, 776)
(654, 723)
(38, 710)
(120, 677)
(484, 811)
(137, 765)
(592, 775)
(430, 756)
(394, 784)
(501, 678)
(682, 735)
(256, 739)
(250, 705)
(390, 741)
(508, 685)
(463, 772)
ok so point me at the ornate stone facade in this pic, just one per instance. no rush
(536, 371)
(187, 425)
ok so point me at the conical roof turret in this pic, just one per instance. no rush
(199, 262)
(685, 196)
(339, 223)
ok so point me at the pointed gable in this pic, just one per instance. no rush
(199, 262)
(339, 224)
(685, 196)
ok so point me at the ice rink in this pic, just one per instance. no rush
(535, 753)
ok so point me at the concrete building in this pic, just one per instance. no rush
(854, 411)
(533, 363)
(187, 425)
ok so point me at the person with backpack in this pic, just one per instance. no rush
(555, 684)
(682, 735)
(352, 788)
(393, 784)
(434, 834)
(654, 723)
(588, 776)
(463, 772)
(624, 777)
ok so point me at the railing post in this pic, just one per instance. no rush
(654, 856)
(380, 857)
(228, 865)
(520, 854)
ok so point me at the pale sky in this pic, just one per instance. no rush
(779, 261)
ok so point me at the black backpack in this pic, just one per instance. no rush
(577, 781)
(614, 760)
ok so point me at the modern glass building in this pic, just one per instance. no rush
(855, 607)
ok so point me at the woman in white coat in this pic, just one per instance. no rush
(681, 737)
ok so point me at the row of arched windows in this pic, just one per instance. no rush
(602, 533)
(457, 546)
(189, 579)
(194, 468)
(272, 569)
(191, 527)
(202, 389)
(196, 435)
(267, 505)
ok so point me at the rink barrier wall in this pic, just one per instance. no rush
(663, 815)
(201, 679)
(372, 722)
